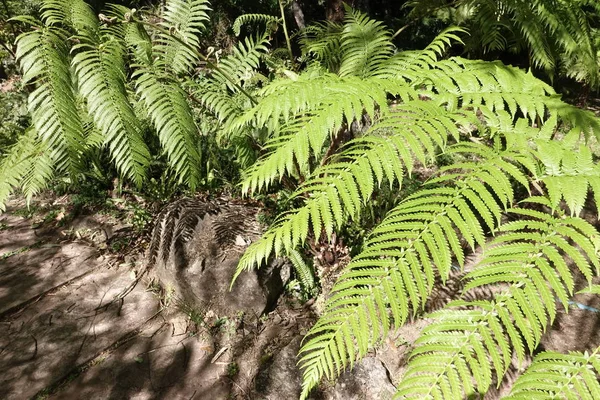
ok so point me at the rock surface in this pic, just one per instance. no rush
(198, 245)
(368, 380)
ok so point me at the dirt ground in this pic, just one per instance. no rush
(78, 320)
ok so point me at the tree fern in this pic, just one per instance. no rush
(526, 260)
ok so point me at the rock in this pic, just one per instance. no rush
(367, 381)
(195, 250)
(281, 378)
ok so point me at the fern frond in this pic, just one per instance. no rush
(395, 272)
(365, 45)
(327, 104)
(172, 117)
(185, 20)
(338, 190)
(410, 64)
(323, 42)
(27, 166)
(75, 14)
(555, 375)
(476, 338)
(43, 57)
(246, 19)
(100, 71)
(242, 63)
(304, 273)
(569, 174)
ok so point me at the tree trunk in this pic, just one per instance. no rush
(298, 14)
(335, 9)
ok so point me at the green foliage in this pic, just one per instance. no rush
(497, 127)
(556, 375)
(96, 83)
(557, 35)
(269, 21)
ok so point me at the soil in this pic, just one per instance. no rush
(81, 320)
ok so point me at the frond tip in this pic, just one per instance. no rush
(559, 376)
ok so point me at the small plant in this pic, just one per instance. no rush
(232, 369)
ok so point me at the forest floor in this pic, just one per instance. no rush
(79, 318)
(76, 322)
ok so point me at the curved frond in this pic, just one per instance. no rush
(172, 117)
(43, 57)
(269, 21)
(100, 71)
(365, 45)
(476, 339)
(339, 189)
(242, 63)
(394, 274)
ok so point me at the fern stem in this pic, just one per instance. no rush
(199, 55)
(285, 32)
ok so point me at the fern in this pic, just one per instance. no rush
(27, 166)
(269, 21)
(527, 261)
(365, 44)
(419, 240)
(185, 20)
(556, 375)
(552, 31)
(42, 54)
(101, 79)
(172, 117)
(323, 43)
(342, 187)
(304, 273)
(415, 242)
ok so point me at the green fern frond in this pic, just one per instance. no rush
(185, 20)
(401, 258)
(322, 41)
(240, 65)
(327, 104)
(476, 339)
(172, 117)
(365, 45)
(75, 14)
(43, 57)
(304, 273)
(410, 64)
(339, 189)
(269, 21)
(27, 165)
(100, 71)
(569, 174)
(555, 375)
